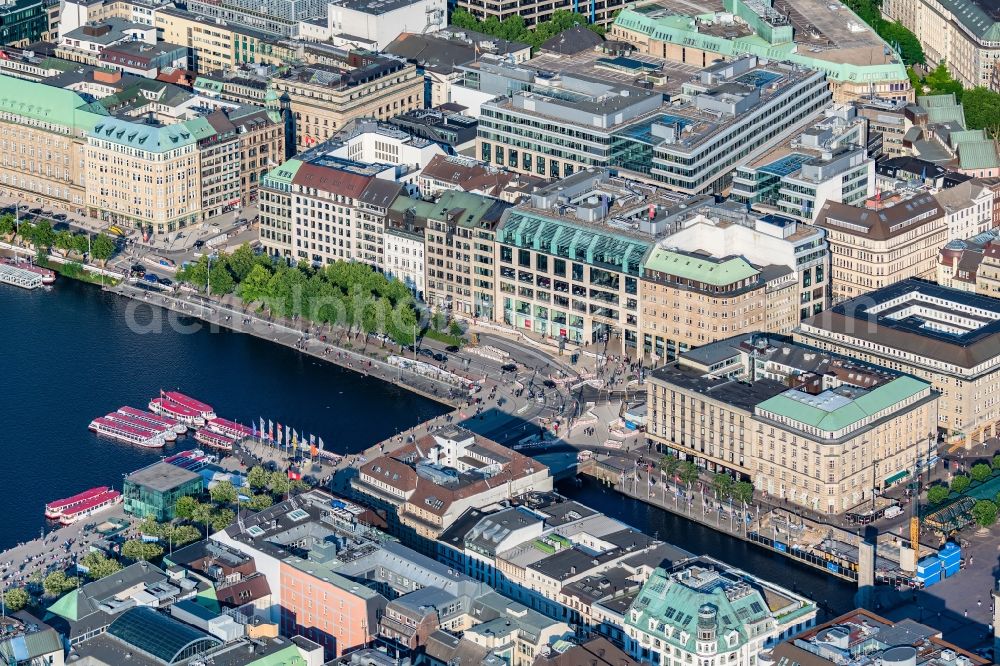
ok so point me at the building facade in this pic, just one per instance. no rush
(946, 337)
(810, 427)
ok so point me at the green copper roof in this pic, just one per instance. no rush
(574, 241)
(700, 269)
(208, 600)
(475, 207)
(664, 602)
(46, 103)
(287, 656)
(978, 155)
(66, 606)
(284, 173)
(682, 30)
(833, 414)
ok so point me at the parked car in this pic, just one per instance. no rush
(152, 278)
(138, 269)
(548, 383)
(508, 367)
(451, 349)
(166, 282)
(439, 357)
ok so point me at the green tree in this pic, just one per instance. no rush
(220, 279)
(102, 247)
(723, 485)
(202, 516)
(259, 502)
(57, 583)
(688, 472)
(43, 236)
(463, 19)
(223, 492)
(743, 492)
(64, 242)
(982, 109)
(996, 461)
(222, 519)
(15, 599)
(242, 261)
(669, 465)
(181, 535)
(278, 482)
(185, 507)
(254, 286)
(980, 472)
(26, 231)
(136, 549)
(456, 329)
(81, 244)
(960, 483)
(99, 566)
(7, 225)
(938, 493)
(903, 41)
(939, 81)
(258, 477)
(984, 512)
(915, 81)
(195, 273)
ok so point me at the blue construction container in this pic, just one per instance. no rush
(952, 570)
(950, 554)
(931, 580)
(929, 565)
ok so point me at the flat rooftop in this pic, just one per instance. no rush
(618, 70)
(162, 476)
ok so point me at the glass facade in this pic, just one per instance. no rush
(160, 636)
(143, 501)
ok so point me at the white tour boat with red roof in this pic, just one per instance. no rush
(204, 410)
(229, 428)
(123, 432)
(55, 509)
(180, 413)
(214, 440)
(154, 419)
(96, 504)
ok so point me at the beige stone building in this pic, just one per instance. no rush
(972, 264)
(814, 428)
(964, 34)
(214, 45)
(888, 239)
(42, 144)
(714, 279)
(323, 98)
(943, 336)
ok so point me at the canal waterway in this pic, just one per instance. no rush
(69, 355)
(834, 595)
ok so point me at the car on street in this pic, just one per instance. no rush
(35, 211)
(138, 269)
(59, 216)
(439, 357)
(426, 352)
(166, 282)
(199, 244)
(508, 367)
(451, 349)
(548, 383)
(60, 226)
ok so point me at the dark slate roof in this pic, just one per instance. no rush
(573, 40)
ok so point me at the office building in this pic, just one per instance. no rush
(460, 271)
(940, 135)
(572, 256)
(962, 33)
(860, 636)
(153, 491)
(322, 208)
(440, 54)
(716, 278)
(427, 485)
(810, 34)
(887, 238)
(967, 208)
(465, 174)
(535, 12)
(811, 427)
(374, 24)
(827, 162)
(212, 45)
(453, 130)
(946, 337)
(23, 22)
(972, 264)
(706, 611)
(278, 18)
(323, 98)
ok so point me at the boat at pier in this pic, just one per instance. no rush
(214, 440)
(180, 413)
(96, 504)
(48, 276)
(154, 419)
(55, 509)
(193, 460)
(229, 429)
(204, 410)
(165, 432)
(123, 432)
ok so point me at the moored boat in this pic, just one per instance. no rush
(214, 440)
(229, 428)
(96, 504)
(177, 412)
(142, 415)
(123, 432)
(55, 509)
(48, 276)
(203, 410)
(163, 431)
